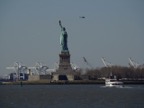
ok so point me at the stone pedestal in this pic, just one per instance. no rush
(64, 62)
(64, 72)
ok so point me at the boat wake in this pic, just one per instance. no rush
(123, 86)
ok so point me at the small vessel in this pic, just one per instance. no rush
(113, 83)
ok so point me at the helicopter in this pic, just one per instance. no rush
(82, 17)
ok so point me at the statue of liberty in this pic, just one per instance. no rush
(63, 38)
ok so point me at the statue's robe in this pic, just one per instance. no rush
(63, 41)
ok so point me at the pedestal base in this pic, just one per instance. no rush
(64, 72)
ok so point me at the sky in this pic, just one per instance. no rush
(29, 31)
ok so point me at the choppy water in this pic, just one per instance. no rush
(71, 96)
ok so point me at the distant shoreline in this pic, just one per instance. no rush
(48, 82)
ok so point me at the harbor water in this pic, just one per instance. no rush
(71, 96)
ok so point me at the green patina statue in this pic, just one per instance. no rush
(63, 38)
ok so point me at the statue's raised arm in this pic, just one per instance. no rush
(60, 24)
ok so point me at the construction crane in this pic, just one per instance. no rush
(39, 68)
(106, 64)
(133, 63)
(74, 67)
(87, 63)
(50, 71)
(19, 68)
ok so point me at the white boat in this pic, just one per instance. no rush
(113, 83)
